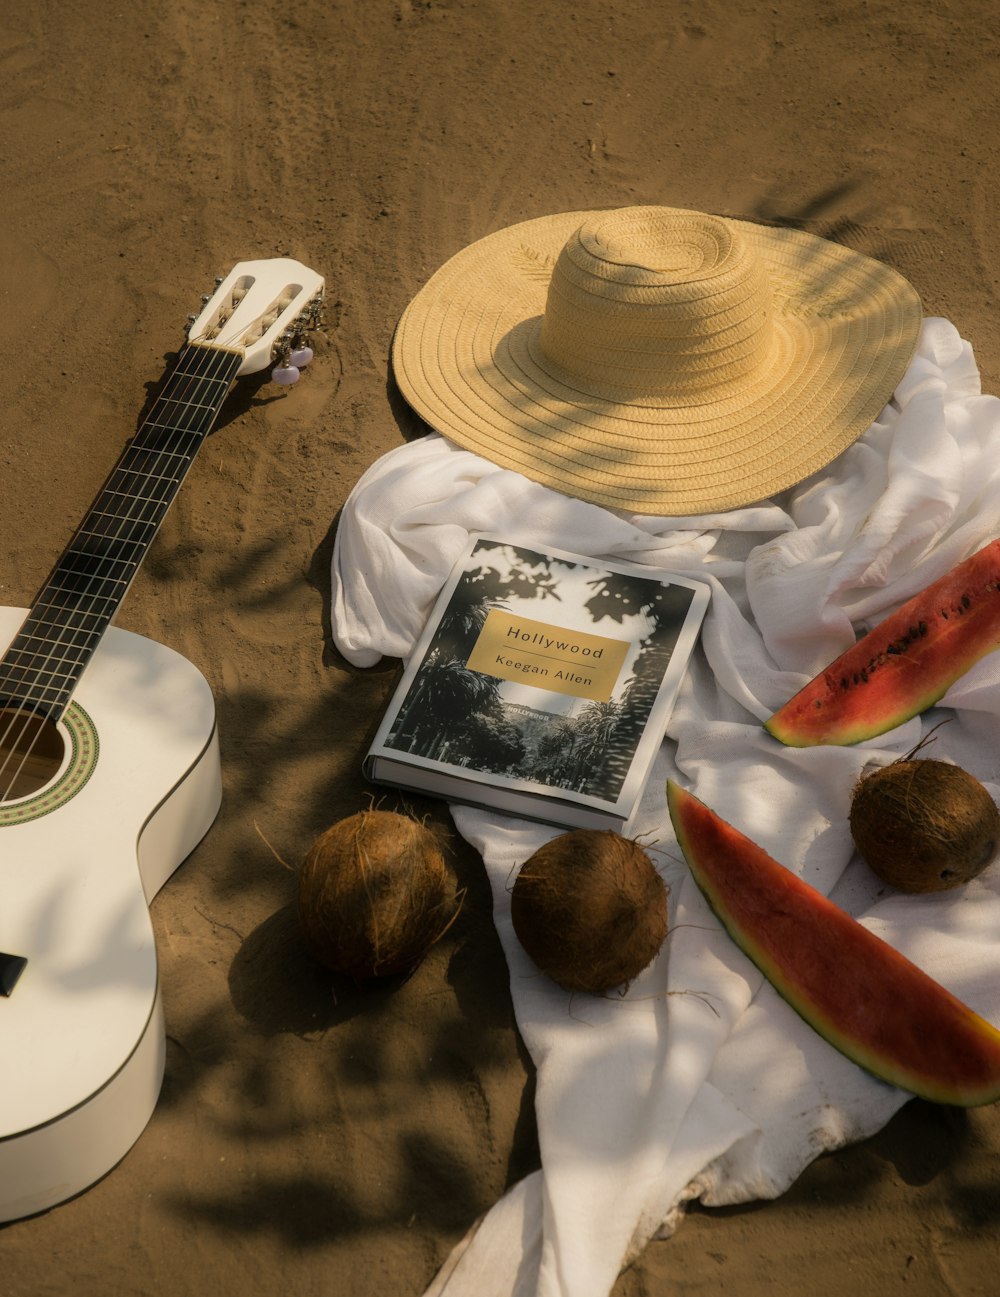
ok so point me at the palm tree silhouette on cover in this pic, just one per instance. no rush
(456, 715)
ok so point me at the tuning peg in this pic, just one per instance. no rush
(285, 374)
(301, 357)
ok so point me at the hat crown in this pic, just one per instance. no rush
(660, 302)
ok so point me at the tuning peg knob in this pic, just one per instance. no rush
(301, 356)
(285, 374)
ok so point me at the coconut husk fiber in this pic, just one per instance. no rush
(924, 825)
(317, 1138)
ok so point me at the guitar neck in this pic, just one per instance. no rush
(81, 596)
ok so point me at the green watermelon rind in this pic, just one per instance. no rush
(902, 666)
(888, 988)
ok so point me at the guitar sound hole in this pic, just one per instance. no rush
(31, 753)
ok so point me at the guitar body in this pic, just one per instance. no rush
(82, 1030)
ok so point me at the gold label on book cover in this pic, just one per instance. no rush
(548, 657)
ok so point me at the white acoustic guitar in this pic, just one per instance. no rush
(109, 777)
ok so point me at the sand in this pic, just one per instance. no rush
(313, 1138)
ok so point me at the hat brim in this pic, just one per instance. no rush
(466, 358)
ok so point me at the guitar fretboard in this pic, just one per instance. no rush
(78, 601)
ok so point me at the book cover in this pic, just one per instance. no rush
(541, 685)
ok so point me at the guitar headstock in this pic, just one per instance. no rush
(265, 309)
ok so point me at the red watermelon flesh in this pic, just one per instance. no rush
(905, 664)
(856, 990)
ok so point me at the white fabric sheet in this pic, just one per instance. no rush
(700, 1082)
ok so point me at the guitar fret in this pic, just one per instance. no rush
(66, 594)
(47, 665)
(129, 498)
(100, 517)
(132, 487)
(52, 697)
(73, 584)
(101, 618)
(36, 674)
(214, 385)
(120, 543)
(131, 482)
(122, 479)
(178, 410)
(82, 561)
(218, 384)
(33, 659)
(135, 457)
(28, 636)
(183, 441)
(77, 583)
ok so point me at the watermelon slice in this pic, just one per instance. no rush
(856, 990)
(905, 664)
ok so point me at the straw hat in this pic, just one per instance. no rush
(656, 360)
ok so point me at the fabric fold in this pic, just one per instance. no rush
(700, 1082)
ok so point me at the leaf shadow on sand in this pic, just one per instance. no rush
(302, 1072)
(371, 1054)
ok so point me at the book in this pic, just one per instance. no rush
(541, 685)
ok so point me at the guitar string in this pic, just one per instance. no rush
(222, 350)
(188, 394)
(194, 387)
(66, 614)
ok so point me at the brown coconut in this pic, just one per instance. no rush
(374, 895)
(590, 909)
(924, 825)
